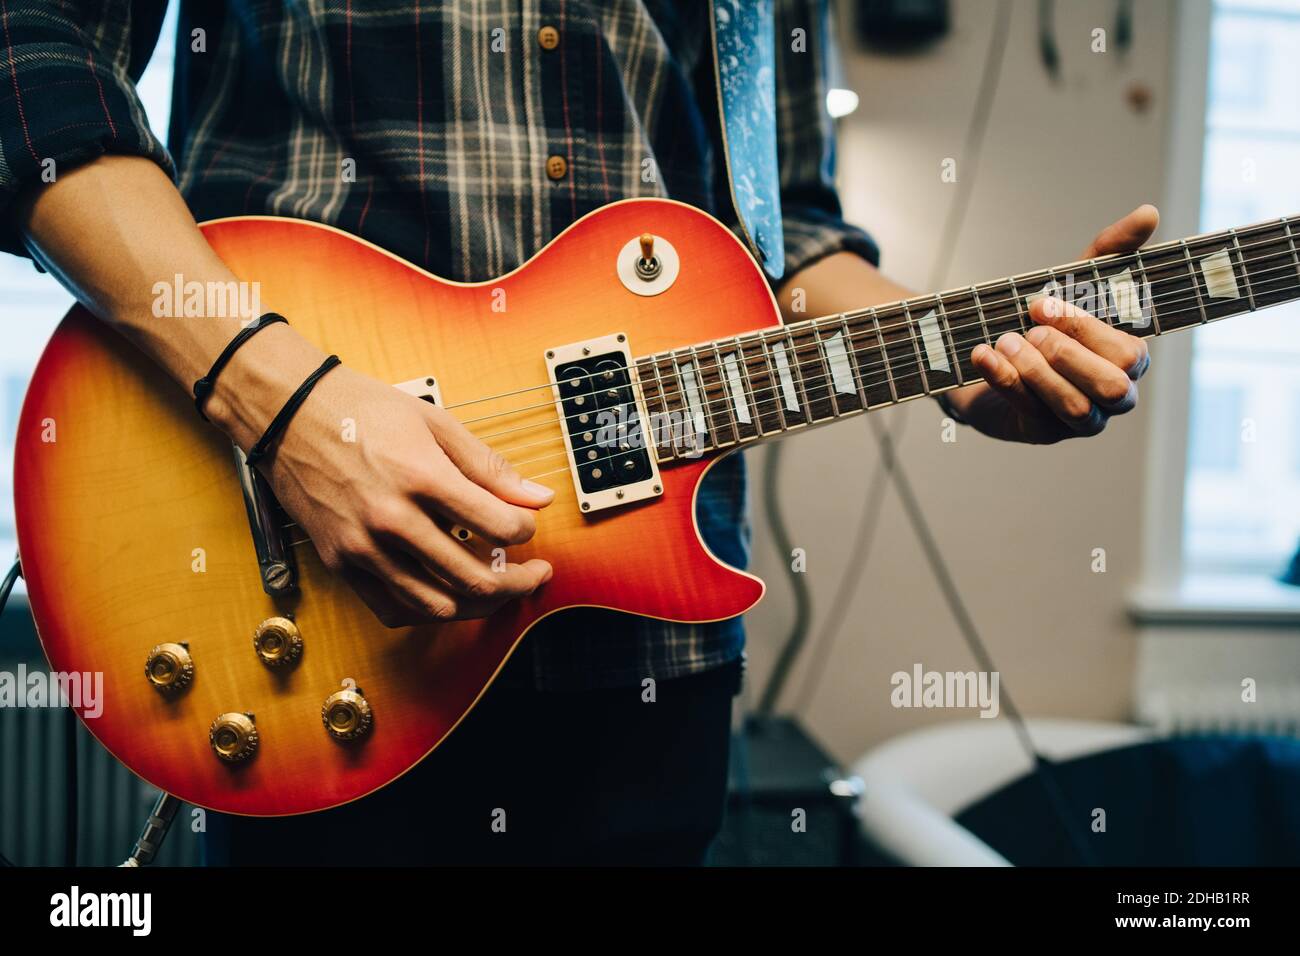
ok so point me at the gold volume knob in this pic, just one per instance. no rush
(346, 715)
(233, 737)
(277, 641)
(169, 667)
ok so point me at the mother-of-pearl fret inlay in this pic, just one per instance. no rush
(1220, 278)
(1127, 299)
(936, 355)
(737, 388)
(691, 386)
(783, 373)
(838, 358)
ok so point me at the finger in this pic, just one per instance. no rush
(1003, 377)
(1127, 352)
(482, 464)
(1127, 234)
(1064, 400)
(1102, 381)
(460, 568)
(421, 593)
(463, 502)
(390, 607)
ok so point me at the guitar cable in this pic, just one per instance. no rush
(890, 466)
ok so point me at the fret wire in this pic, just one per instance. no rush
(1101, 295)
(699, 442)
(710, 416)
(795, 369)
(747, 387)
(1245, 272)
(643, 388)
(979, 314)
(1295, 253)
(853, 369)
(724, 387)
(825, 358)
(1015, 302)
(884, 356)
(916, 347)
(1196, 286)
(1155, 319)
(772, 382)
(950, 343)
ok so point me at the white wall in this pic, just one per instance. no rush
(1017, 524)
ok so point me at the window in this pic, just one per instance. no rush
(34, 302)
(1242, 497)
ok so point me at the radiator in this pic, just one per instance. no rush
(112, 802)
(1196, 709)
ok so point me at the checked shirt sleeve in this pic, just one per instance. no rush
(811, 215)
(67, 91)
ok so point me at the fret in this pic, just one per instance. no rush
(739, 392)
(1191, 280)
(916, 348)
(794, 398)
(1216, 277)
(852, 350)
(1122, 289)
(900, 351)
(1268, 258)
(868, 355)
(768, 399)
(1000, 306)
(807, 359)
(1100, 302)
(884, 358)
(695, 429)
(1045, 285)
(1145, 303)
(1290, 235)
(1245, 273)
(837, 354)
(965, 325)
(936, 350)
(667, 429)
(1171, 296)
(718, 401)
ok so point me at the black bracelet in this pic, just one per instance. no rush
(258, 451)
(204, 386)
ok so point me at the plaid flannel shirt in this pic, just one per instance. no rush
(446, 115)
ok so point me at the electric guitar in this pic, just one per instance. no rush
(616, 366)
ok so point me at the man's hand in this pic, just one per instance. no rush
(1069, 374)
(379, 509)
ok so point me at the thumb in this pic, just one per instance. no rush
(1127, 234)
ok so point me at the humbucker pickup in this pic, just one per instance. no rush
(602, 416)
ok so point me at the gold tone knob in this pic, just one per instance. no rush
(647, 246)
(277, 641)
(169, 667)
(233, 737)
(346, 715)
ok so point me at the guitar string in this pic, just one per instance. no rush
(900, 368)
(821, 323)
(1092, 265)
(823, 373)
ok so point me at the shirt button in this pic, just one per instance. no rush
(548, 38)
(556, 167)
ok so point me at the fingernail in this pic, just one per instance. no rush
(1010, 343)
(1036, 335)
(541, 491)
(977, 354)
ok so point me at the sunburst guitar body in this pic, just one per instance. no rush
(135, 534)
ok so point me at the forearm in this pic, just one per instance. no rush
(112, 229)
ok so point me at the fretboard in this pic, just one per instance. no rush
(717, 395)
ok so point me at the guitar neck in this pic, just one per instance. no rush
(719, 395)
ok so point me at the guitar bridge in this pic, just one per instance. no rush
(602, 417)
